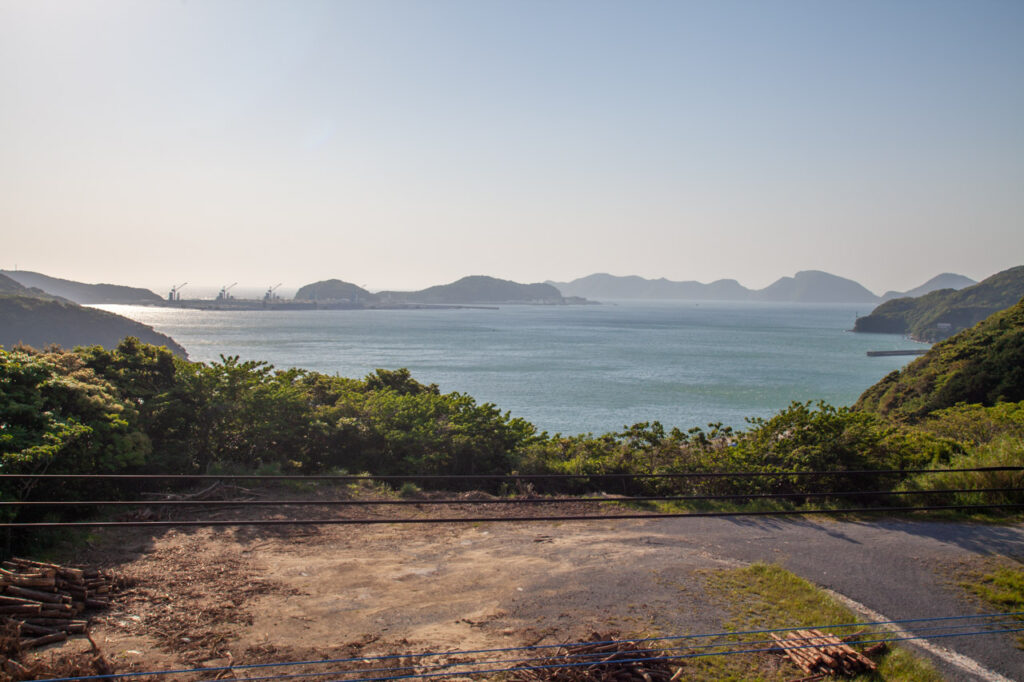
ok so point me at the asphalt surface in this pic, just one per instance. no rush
(900, 569)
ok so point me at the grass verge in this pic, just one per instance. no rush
(999, 585)
(764, 596)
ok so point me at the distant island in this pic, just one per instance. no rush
(940, 314)
(32, 317)
(808, 286)
(472, 290)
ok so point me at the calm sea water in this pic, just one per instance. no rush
(571, 369)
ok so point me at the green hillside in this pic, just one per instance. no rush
(984, 364)
(34, 318)
(945, 312)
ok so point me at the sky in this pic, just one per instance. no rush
(399, 144)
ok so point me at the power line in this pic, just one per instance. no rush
(509, 500)
(620, 661)
(588, 656)
(493, 519)
(385, 657)
(492, 477)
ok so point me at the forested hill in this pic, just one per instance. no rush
(39, 322)
(34, 318)
(79, 292)
(940, 314)
(478, 289)
(332, 290)
(984, 364)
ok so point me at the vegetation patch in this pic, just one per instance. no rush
(999, 585)
(765, 596)
(982, 365)
(941, 313)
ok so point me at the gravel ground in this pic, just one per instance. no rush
(901, 569)
(286, 593)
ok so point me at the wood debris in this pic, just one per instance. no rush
(44, 603)
(821, 654)
(612, 662)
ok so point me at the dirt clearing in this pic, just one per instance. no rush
(214, 596)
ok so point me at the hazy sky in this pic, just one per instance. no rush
(398, 144)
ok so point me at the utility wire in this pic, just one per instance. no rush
(491, 477)
(589, 656)
(493, 519)
(493, 671)
(368, 659)
(510, 500)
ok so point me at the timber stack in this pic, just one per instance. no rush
(821, 654)
(44, 602)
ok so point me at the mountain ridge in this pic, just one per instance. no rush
(806, 286)
(947, 280)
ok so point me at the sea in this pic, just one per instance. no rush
(571, 369)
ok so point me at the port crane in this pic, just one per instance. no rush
(175, 294)
(224, 295)
(269, 296)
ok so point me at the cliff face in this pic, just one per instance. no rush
(940, 314)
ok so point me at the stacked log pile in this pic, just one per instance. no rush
(613, 662)
(44, 602)
(820, 654)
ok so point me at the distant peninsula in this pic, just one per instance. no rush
(940, 314)
(32, 317)
(807, 286)
(79, 292)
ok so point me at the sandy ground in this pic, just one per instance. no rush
(206, 597)
(213, 596)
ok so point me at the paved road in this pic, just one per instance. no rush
(900, 569)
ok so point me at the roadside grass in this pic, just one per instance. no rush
(845, 509)
(763, 596)
(999, 585)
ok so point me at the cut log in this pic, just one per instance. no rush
(791, 653)
(44, 640)
(75, 573)
(21, 609)
(37, 595)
